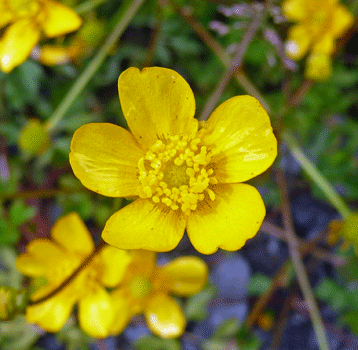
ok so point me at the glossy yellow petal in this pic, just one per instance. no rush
(95, 313)
(145, 225)
(240, 136)
(105, 157)
(342, 20)
(53, 313)
(72, 234)
(17, 42)
(40, 251)
(185, 275)
(294, 10)
(30, 266)
(156, 102)
(165, 317)
(318, 67)
(114, 265)
(121, 310)
(298, 42)
(59, 19)
(234, 217)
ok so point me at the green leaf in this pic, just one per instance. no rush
(351, 320)
(19, 212)
(228, 328)
(247, 340)
(326, 289)
(9, 234)
(258, 284)
(152, 342)
(218, 344)
(332, 293)
(195, 308)
(17, 334)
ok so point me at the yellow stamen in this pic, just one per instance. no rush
(174, 172)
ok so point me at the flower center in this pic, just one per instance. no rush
(140, 286)
(175, 172)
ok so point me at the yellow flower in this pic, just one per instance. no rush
(81, 46)
(145, 288)
(25, 20)
(55, 259)
(184, 177)
(318, 24)
(319, 66)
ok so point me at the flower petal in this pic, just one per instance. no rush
(95, 313)
(325, 45)
(145, 225)
(241, 137)
(185, 275)
(60, 19)
(156, 102)
(6, 15)
(318, 67)
(234, 217)
(72, 234)
(122, 311)
(17, 42)
(165, 317)
(341, 21)
(41, 258)
(105, 158)
(53, 313)
(114, 264)
(298, 42)
(294, 10)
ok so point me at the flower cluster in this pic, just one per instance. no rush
(182, 176)
(141, 286)
(25, 19)
(318, 24)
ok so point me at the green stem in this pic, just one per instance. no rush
(73, 275)
(88, 6)
(93, 66)
(301, 273)
(315, 175)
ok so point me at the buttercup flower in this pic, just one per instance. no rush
(318, 24)
(145, 288)
(55, 259)
(25, 20)
(184, 177)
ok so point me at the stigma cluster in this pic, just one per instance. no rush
(176, 171)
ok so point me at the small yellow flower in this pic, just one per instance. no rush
(81, 46)
(318, 24)
(185, 177)
(25, 20)
(145, 288)
(56, 259)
